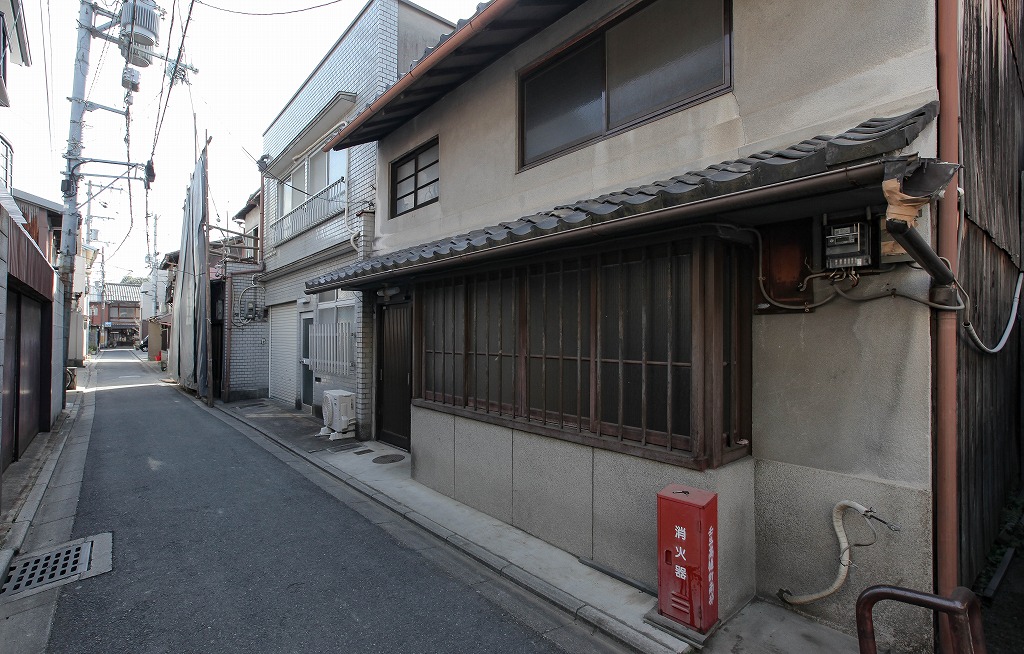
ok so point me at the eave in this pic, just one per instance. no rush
(477, 42)
(821, 174)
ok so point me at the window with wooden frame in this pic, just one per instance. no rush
(652, 58)
(415, 179)
(642, 349)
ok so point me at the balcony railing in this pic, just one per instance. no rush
(323, 206)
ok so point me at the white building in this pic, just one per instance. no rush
(319, 208)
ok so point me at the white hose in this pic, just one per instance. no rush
(844, 552)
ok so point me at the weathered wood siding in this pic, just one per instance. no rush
(992, 108)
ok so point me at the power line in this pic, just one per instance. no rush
(128, 151)
(163, 78)
(177, 62)
(47, 75)
(99, 62)
(271, 13)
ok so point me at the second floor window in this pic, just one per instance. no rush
(6, 163)
(664, 56)
(415, 179)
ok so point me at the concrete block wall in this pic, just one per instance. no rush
(594, 503)
(249, 363)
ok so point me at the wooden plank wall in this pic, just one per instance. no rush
(989, 386)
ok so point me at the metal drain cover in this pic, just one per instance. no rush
(39, 571)
(389, 458)
(346, 446)
(366, 451)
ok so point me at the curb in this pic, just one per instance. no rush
(19, 528)
(599, 620)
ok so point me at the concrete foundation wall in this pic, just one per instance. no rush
(57, 350)
(593, 503)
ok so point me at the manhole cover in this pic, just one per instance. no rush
(389, 458)
(363, 452)
(28, 574)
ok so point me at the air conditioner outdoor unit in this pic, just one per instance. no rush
(339, 413)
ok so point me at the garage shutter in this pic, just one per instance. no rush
(283, 351)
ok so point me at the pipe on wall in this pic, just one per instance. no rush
(946, 410)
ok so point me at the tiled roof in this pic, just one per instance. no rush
(122, 293)
(870, 140)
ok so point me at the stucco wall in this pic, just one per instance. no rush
(841, 396)
(801, 68)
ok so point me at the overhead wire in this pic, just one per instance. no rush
(128, 151)
(177, 63)
(167, 53)
(47, 73)
(269, 13)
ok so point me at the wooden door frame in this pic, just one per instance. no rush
(381, 360)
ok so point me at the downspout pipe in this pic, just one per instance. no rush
(947, 555)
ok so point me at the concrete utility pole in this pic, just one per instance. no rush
(69, 226)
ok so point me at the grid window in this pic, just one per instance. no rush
(663, 56)
(620, 348)
(333, 334)
(415, 179)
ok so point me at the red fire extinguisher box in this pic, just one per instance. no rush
(688, 556)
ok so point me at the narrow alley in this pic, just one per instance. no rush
(224, 542)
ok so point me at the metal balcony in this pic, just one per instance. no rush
(319, 208)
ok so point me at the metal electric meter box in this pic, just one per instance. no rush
(688, 556)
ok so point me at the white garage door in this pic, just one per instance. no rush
(283, 353)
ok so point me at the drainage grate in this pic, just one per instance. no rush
(389, 458)
(346, 446)
(363, 452)
(39, 571)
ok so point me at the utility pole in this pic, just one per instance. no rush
(104, 309)
(69, 226)
(156, 271)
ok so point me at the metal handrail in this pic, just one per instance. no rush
(316, 209)
(962, 607)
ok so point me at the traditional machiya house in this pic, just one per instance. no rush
(620, 245)
(318, 211)
(119, 314)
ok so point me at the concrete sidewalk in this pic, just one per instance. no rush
(383, 473)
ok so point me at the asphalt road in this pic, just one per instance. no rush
(225, 543)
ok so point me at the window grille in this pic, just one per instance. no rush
(643, 347)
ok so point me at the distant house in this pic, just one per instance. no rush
(118, 315)
(620, 244)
